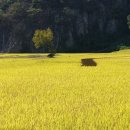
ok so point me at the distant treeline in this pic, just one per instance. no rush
(78, 25)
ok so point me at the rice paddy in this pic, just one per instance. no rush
(38, 93)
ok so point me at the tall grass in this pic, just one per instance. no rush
(59, 94)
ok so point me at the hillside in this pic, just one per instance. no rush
(78, 25)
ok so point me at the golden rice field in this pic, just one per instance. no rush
(59, 94)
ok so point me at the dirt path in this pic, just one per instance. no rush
(17, 56)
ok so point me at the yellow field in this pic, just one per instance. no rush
(59, 94)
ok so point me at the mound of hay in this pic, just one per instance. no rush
(51, 55)
(88, 62)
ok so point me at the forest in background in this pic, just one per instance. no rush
(78, 25)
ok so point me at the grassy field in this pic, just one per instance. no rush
(59, 94)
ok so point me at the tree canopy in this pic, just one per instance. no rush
(128, 18)
(78, 25)
(43, 37)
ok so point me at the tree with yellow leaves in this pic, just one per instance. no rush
(42, 38)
